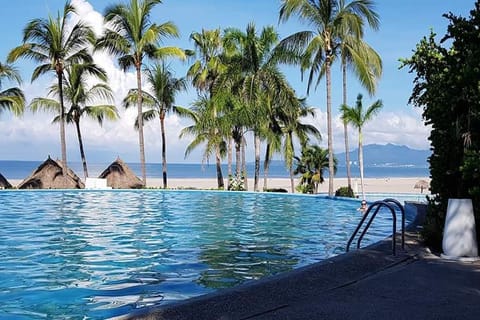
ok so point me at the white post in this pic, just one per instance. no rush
(459, 235)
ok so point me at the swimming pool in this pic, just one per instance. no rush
(99, 254)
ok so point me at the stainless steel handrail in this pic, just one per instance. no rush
(376, 206)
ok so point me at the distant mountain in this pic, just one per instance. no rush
(389, 155)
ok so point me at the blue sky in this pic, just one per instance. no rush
(403, 24)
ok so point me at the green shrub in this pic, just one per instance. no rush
(305, 188)
(344, 192)
(275, 190)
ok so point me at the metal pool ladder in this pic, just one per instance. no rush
(388, 203)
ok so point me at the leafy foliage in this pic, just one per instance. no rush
(236, 183)
(312, 165)
(447, 87)
(11, 99)
(345, 192)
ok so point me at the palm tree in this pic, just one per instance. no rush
(258, 62)
(312, 165)
(11, 99)
(273, 137)
(357, 117)
(235, 118)
(55, 45)
(131, 36)
(291, 125)
(82, 99)
(205, 73)
(320, 47)
(206, 130)
(164, 87)
(365, 63)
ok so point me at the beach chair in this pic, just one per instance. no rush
(96, 183)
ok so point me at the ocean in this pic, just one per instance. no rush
(22, 169)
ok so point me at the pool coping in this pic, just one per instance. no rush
(261, 297)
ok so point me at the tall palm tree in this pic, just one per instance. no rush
(205, 73)
(357, 117)
(84, 100)
(364, 61)
(293, 127)
(207, 130)
(259, 66)
(283, 124)
(320, 46)
(164, 87)
(273, 137)
(235, 118)
(11, 99)
(131, 36)
(55, 44)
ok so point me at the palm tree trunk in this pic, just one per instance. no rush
(345, 126)
(292, 182)
(238, 160)
(289, 154)
(80, 144)
(229, 160)
(360, 161)
(244, 164)
(164, 149)
(63, 144)
(257, 162)
(329, 128)
(141, 141)
(220, 183)
(266, 166)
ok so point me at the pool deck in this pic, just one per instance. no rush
(369, 283)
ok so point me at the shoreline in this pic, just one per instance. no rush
(372, 185)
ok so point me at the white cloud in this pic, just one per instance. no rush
(86, 12)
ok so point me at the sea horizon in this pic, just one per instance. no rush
(21, 169)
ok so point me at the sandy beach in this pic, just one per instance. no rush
(372, 185)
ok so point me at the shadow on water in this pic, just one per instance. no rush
(231, 263)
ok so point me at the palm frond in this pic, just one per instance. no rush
(12, 99)
(44, 104)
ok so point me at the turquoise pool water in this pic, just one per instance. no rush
(99, 254)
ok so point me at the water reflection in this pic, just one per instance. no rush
(231, 263)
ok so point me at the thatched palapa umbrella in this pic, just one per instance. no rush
(4, 184)
(422, 184)
(49, 176)
(120, 176)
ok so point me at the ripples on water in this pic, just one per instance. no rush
(99, 254)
